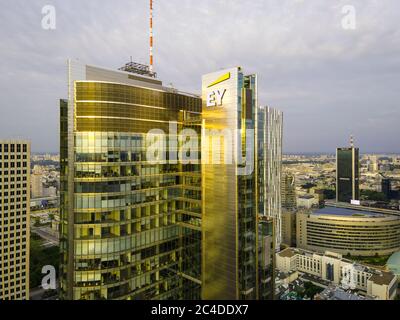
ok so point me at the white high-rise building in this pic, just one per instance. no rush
(270, 132)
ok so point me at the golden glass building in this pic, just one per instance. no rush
(14, 219)
(235, 240)
(130, 226)
(138, 223)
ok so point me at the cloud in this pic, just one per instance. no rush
(329, 82)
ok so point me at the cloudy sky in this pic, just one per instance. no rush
(329, 81)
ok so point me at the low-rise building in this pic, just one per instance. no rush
(351, 231)
(307, 201)
(332, 268)
(337, 293)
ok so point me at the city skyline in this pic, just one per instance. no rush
(194, 151)
(327, 79)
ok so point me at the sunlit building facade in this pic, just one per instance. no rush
(130, 225)
(236, 241)
(270, 131)
(14, 219)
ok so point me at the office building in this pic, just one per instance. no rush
(266, 258)
(347, 174)
(269, 158)
(331, 268)
(50, 192)
(36, 185)
(130, 220)
(136, 223)
(231, 225)
(349, 231)
(386, 186)
(373, 164)
(288, 191)
(14, 219)
(307, 201)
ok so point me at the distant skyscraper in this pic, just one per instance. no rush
(130, 226)
(14, 219)
(374, 164)
(347, 174)
(36, 185)
(386, 186)
(270, 128)
(289, 208)
(288, 187)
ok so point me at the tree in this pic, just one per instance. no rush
(39, 257)
(329, 194)
(373, 195)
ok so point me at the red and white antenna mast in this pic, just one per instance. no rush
(151, 36)
(352, 141)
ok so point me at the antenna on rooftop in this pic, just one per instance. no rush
(142, 69)
(151, 36)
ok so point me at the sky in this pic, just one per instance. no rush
(329, 80)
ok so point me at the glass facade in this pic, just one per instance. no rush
(138, 228)
(130, 228)
(270, 131)
(347, 174)
(266, 258)
(238, 248)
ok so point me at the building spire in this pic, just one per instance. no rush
(151, 36)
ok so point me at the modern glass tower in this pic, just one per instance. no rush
(347, 174)
(130, 213)
(270, 132)
(234, 242)
(14, 219)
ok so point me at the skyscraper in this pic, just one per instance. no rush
(270, 130)
(130, 217)
(347, 174)
(14, 219)
(235, 237)
(288, 187)
(386, 187)
(289, 206)
(137, 225)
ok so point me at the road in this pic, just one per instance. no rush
(46, 234)
(37, 294)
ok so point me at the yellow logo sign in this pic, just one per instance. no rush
(220, 79)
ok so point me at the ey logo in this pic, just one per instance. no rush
(215, 97)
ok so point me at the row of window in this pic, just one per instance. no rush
(12, 157)
(13, 147)
(106, 246)
(86, 91)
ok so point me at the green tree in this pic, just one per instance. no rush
(39, 257)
